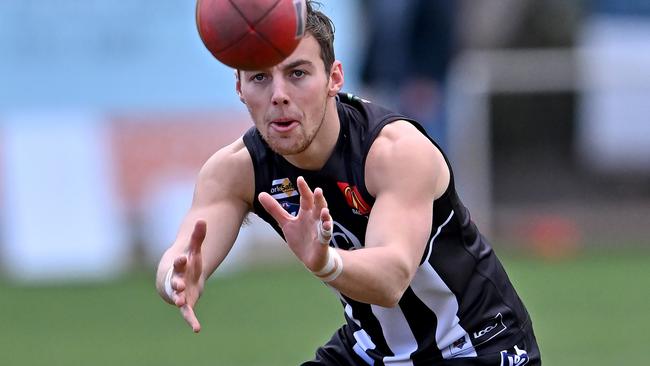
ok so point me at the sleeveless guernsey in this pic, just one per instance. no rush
(460, 302)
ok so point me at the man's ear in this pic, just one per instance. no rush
(336, 79)
(241, 98)
(238, 86)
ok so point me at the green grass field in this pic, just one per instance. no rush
(590, 310)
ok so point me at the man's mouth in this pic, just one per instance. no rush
(283, 125)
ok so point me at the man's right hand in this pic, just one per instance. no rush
(187, 277)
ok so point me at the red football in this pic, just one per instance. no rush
(250, 34)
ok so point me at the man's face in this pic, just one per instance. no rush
(287, 102)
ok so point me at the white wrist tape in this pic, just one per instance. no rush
(169, 291)
(324, 236)
(332, 268)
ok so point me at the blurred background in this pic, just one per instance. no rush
(108, 109)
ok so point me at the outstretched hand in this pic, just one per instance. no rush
(187, 280)
(302, 231)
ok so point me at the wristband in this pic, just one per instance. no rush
(332, 268)
(169, 291)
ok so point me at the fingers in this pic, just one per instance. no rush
(325, 227)
(198, 236)
(274, 209)
(306, 195)
(326, 219)
(178, 284)
(180, 264)
(179, 299)
(190, 318)
(308, 201)
(319, 200)
(187, 311)
(184, 266)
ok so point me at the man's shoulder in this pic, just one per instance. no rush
(398, 138)
(229, 170)
(401, 148)
(400, 128)
(233, 153)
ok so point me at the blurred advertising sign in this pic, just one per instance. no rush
(107, 54)
(614, 129)
(60, 217)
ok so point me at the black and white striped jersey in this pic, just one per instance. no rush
(460, 302)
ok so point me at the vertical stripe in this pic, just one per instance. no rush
(362, 353)
(397, 334)
(364, 342)
(436, 235)
(431, 289)
(359, 315)
(422, 322)
(396, 329)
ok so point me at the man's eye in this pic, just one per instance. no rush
(298, 73)
(258, 77)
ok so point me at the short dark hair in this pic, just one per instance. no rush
(321, 27)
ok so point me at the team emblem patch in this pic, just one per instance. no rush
(354, 199)
(460, 346)
(460, 343)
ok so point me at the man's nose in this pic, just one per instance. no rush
(279, 96)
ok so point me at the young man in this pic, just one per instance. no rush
(383, 227)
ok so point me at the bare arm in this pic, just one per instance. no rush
(222, 198)
(405, 173)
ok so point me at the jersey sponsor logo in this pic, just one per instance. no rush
(354, 199)
(489, 330)
(518, 358)
(282, 188)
